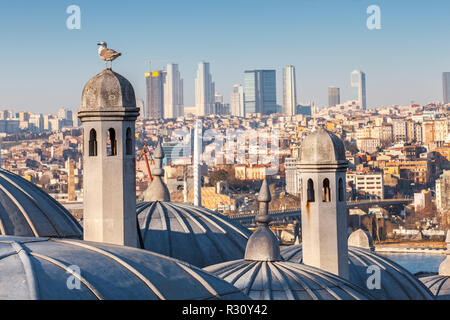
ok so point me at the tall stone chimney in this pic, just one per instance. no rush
(108, 114)
(322, 168)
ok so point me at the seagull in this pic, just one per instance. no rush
(107, 54)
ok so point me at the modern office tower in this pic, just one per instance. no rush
(155, 93)
(237, 101)
(204, 90)
(358, 81)
(446, 86)
(260, 92)
(173, 93)
(334, 96)
(289, 91)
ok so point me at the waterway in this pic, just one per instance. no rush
(416, 262)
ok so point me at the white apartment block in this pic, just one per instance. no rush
(369, 145)
(371, 183)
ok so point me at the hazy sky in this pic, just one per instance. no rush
(44, 65)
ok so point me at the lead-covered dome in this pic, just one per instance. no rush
(108, 90)
(193, 234)
(263, 275)
(396, 282)
(283, 280)
(322, 146)
(439, 284)
(55, 269)
(190, 233)
(26, 210)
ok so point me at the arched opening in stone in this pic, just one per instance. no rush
(310, 191)
(341, 190)
(326, 192)
(92, 143)
(129, 142)
(111, 143)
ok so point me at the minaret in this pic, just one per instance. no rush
(263, 244)
(157, 190)
(108, 114)
(198, 144)
(444, 268)
(322, 169)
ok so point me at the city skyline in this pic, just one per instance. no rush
(65, 55)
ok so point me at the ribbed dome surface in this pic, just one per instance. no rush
(281, 280)
(26, 210)
(189, 233)
(438, 285)
(396, 282)
(38, 269)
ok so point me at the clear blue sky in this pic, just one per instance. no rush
(44, 65)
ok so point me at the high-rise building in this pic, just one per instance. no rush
(173, 93)
(260, 92)
(289, 90)
(358, 81)
(237, 101)
(204, 90)
(443, 192)
(446, 86)
(334, 96)
(155, 93)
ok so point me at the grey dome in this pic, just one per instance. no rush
(322, 146)
(361, 239)
(438, 285)
(26, 210)
(38, 269)
(193, 234)
(108, 90)
(396, 282)
(262, 275)
(282, 280)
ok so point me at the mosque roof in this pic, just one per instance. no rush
(190, 233)
(26, 210)
(263, 275)
(396, 282)
(61, 269)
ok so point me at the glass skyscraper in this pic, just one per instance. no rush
(358, 81)
(155, 94)
(446, 86)
(260, 91)
(334, 97)
(289, 91)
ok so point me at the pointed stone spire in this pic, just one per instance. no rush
(157, 190)
(263, 244)
(444, 268)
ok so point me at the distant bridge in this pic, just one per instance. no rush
(290, 215)
(380, 203)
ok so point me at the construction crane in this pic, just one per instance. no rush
(143, 153)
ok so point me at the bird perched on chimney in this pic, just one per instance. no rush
(107, 54)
